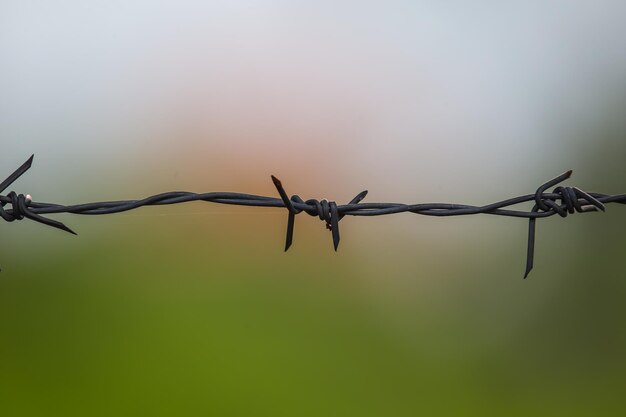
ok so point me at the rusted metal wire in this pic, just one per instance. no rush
(561, 200)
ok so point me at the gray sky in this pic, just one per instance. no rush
(416, 85)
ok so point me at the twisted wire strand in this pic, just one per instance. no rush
(561, 201)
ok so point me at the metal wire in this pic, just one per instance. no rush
(561, 201)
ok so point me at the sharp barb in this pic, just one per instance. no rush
(16, 174)
(530, 253)
(290, 225)
(334, 223)
(359, 197)
(558, 179)
(43, 220)
(283, 194)
(356, 200)
(67, 229)
(591, 199)
(53, 223)
(292, 211)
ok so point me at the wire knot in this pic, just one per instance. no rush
(20, 203)
(572, 199)
(323, 209)
(327, 211)
(19, 207)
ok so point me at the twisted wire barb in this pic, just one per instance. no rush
(561, 201)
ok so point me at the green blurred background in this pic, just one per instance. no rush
(195, 309)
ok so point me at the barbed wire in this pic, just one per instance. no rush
(561, 200)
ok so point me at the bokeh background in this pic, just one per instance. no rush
(195, 309)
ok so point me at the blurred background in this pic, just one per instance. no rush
(196, 310)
